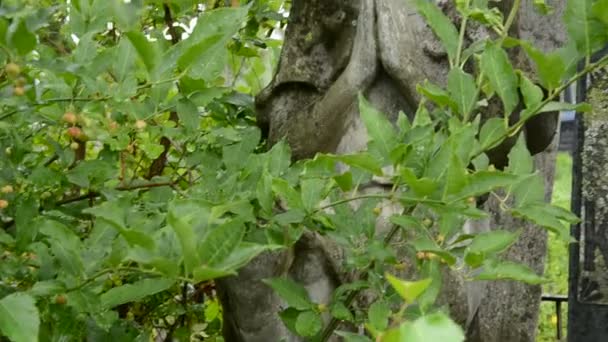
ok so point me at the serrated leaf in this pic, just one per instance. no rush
(352, 337)
(520, 160)
(187, 239)
(341, 312)
(507, 270)
(134, 292)
(441, 25)
(312, 191)
(19, 318)
(382, 134)
(221, 242)
(361, 160)
(483, 182)
(544, 215)
(433, 327)
(308, 323)
(486, 243)
(408, 290)
(533, 94)
(496, 66)
(146, 50)
(292, 293)
(188, 114)
(492, 133)
(20, 38)
(264, 192)
(463, 91)
(378, 315)
(583, 28)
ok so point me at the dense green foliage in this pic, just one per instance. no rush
(133, 175)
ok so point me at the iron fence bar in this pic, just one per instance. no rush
(558, 300)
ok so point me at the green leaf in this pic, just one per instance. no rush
(19, 318)
(530, 189)
(533, 94)
(408, 290)
(187, 239)
(243, 254)
(421, 186)
(456, 177)
(520, 160)
(134, 292)
(462, 91)
(361, 160)
(506, 270)
(279, 159)
(188, 114)
(291, 292)
(435, 93)
(584, 29)
(496, 66)
(192, 54)
(544, 215)
(600, 10)
(555, 106)
(282, 188)
(433, 327)
(20, 38)
(264, 192)
(221, 242)
(492, 133)
(308, 323)
(312, 192)
(483, 182)
(378, 315)
(551, 67)
(382, 134)
(204, 273)
(341, 312)
(441, 25)
(146, 50)
(487, 243)
(352, 337)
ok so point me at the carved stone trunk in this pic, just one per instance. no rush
(333, 50)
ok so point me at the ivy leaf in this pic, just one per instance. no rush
(496, 66)
(19, 318)
(441, 25)
(308, 323)
(462, 91)
(291, 292)
(383, 137)
(134, 292)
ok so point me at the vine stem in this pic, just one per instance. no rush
(517, 126)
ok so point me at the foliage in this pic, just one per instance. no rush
(133, 174)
